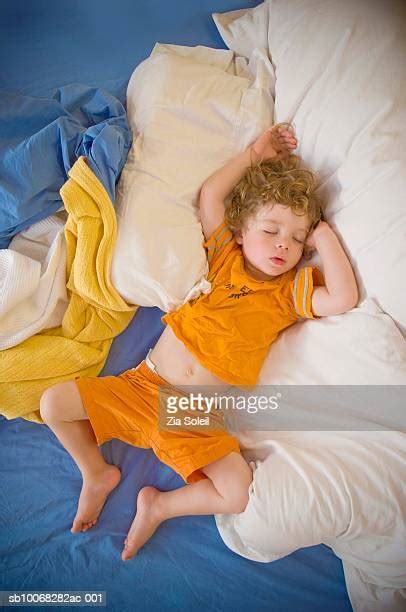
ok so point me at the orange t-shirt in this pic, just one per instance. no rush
(230, 329)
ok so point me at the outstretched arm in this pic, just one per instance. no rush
(273, 143)
(341, 292)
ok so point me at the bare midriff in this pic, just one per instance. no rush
(177, 365)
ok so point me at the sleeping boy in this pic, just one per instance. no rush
(253, 246)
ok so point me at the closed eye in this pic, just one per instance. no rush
(274, 234)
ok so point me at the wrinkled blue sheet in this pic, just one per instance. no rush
(41, 138)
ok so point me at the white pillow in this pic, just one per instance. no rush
(340, 79)
(343, 488)
(360, 347)
(244, 30)
(189, 112)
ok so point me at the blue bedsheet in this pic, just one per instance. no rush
(185, 566)
(41, 138)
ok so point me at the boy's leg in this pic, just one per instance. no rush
(224, 491)
(62, 410)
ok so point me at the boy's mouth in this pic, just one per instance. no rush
(278, 261)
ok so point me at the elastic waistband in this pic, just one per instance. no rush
(150, 363)
(148, 369)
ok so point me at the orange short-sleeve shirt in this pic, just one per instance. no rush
(230, 329)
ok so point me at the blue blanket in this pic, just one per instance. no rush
(41, 140)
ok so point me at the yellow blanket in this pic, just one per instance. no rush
(96, 312)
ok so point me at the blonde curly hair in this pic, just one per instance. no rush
(278, 181)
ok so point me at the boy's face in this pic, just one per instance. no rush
(272, 241)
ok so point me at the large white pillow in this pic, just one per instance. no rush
(343, 488)
(341, 79)
(190, 109)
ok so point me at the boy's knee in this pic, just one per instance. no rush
(238, 500)
(232, 478)
(48, 403)
(237, 492)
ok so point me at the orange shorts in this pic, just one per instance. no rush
(126, 407)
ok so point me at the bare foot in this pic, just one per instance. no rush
(146, 521)
(92, 498)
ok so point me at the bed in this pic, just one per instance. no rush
(186, 565)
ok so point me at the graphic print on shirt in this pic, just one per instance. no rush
(244, 290)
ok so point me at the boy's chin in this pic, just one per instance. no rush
(269, 273)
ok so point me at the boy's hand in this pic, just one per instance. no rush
(321, 229)
(275, 143)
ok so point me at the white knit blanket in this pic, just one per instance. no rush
(32, 282)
